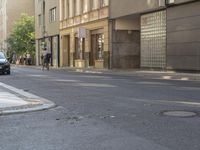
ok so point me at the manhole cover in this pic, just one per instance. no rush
(179, 113)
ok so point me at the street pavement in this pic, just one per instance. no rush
(102, 111)
(148, 73)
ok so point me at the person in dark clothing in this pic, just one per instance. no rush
(45, 59)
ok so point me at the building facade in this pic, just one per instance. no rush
(10, 11)
(84, 33)
(47, 30)
(155, 34)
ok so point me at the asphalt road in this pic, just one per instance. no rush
(102, 112)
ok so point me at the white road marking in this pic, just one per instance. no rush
(94, 85)
(171, 102)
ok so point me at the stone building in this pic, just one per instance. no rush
(84, 34)
(47, 30)
(10, 11)
(155, 34)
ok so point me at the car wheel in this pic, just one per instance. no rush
(8, 72)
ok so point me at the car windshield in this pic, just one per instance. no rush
(2, 56)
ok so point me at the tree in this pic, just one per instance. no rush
(21, 38)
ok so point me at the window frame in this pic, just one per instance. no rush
(52, 15)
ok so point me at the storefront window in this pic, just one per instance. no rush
(100, 39)
(97, 47)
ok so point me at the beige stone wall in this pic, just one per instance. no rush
(15, 9)
(47, 28)
(38, 10)
(2, 24)
(52, 28)
(84, 15)
(100, 24)
(10, 12)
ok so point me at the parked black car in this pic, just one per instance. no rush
(4, 64)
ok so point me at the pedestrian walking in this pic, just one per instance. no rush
(28, 56)
(45, 59)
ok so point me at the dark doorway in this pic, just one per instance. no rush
(66, 50)
(79, 48)
(97, 48)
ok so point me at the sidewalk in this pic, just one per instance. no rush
(14, 100)
(167, 75)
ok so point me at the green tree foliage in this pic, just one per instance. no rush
(21, 38)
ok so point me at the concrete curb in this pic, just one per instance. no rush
(165, 76)
(168, 75)
(35, 103)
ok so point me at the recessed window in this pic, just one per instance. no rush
(52, 17)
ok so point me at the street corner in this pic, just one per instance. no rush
(14, 101)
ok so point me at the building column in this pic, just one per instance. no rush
(37, 53)
(61, 9)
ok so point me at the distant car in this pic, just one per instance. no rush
(4, 64)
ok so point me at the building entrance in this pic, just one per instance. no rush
(97, 47)
(66, 51)
(79, 48)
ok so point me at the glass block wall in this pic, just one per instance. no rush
(153, 40)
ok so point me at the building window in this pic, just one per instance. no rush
(52, 17)
(104, 3)
(39, 19)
